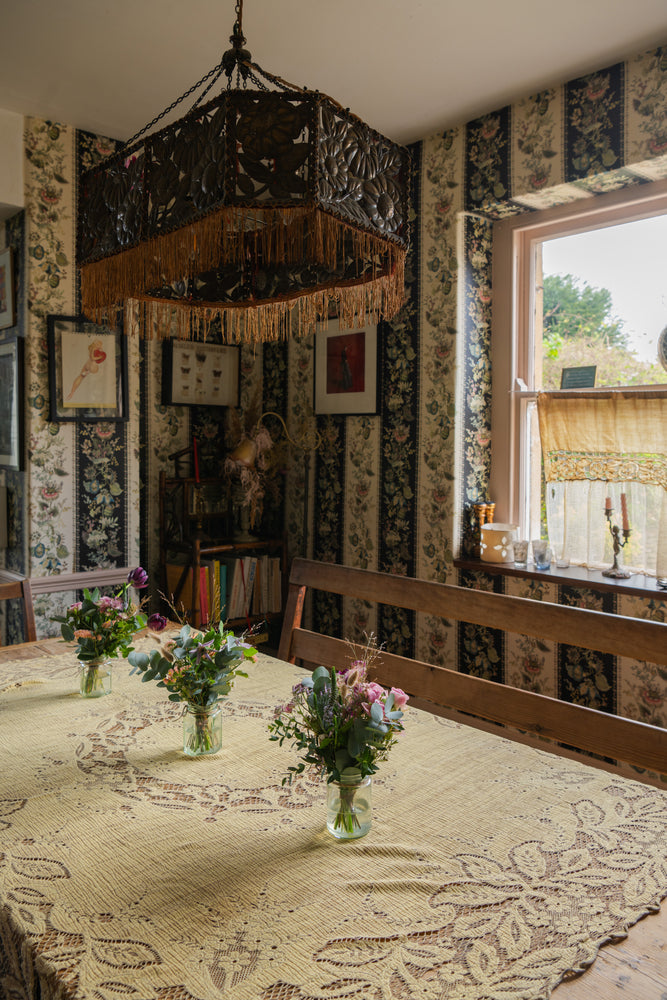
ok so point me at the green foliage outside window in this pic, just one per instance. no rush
(579, 329)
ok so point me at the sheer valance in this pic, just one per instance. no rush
(598, 444)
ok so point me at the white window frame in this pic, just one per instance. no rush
(512, 374)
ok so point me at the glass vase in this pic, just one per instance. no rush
(202, 729)
(349, 808)
(94, 678)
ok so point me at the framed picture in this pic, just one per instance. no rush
(11, 403)
(199, 374)
(346, 370)
(87, 370)
(7, 313)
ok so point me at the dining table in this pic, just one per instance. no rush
(130, 871)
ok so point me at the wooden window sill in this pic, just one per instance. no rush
(638, 585)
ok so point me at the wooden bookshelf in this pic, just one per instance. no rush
(195, 529)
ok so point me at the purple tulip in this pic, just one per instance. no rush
(157, 622)
(138, 578)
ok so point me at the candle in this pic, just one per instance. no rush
(624, 512)
(196, 458)
(607, 504)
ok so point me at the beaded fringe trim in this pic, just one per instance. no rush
(276, 235)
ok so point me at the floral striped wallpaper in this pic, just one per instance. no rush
(592, 135)
(386, 491)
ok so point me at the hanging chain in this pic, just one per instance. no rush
(211, 84)
(216, 70)
(216, 73)
(237, 58)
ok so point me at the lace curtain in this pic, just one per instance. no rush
(600, 444)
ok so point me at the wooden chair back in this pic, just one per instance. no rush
(437, 688)
(18, 588)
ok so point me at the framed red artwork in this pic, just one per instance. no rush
(346, 370)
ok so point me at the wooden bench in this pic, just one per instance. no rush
(473, 700)
(17, 588)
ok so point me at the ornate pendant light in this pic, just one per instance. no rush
(269, 209)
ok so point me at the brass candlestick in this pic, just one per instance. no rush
(480, 519)
(616, 571)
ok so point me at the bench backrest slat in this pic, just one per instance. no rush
(596, 732)
(633, 637)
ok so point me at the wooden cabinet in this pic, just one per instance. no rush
(195, 546)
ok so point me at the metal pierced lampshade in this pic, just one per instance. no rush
(267, 209)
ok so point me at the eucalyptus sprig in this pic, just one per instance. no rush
(199, 667)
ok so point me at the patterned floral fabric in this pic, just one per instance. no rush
(129, 870)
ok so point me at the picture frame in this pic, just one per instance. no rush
(11, 403)
(7, 300)
(87, 371)
(196, 373)
(346, 370)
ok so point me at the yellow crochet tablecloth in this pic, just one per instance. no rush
(130, 872)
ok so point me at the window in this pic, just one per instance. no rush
(603, 298)
(526, 343)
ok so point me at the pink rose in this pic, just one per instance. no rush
(372, 692)
(400, 697)
(111, 602)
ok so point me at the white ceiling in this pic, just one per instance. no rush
(407, 67)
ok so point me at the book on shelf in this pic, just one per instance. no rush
(239, 607)
(204, 610)
(256, 608)
(222, 582)
(232, 574)
(217, 589)
(248, 569)
(265, 585)
(183, 602)
(277, 586)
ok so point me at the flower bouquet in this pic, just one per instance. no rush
(198, 668)
(345, 725)
(102, 627)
